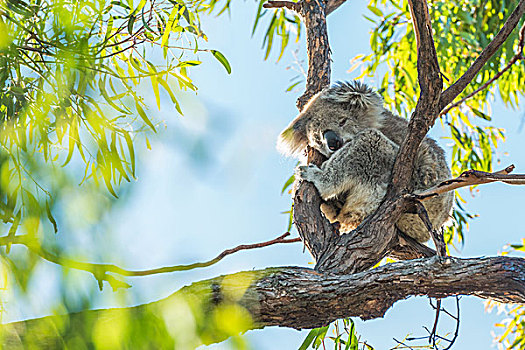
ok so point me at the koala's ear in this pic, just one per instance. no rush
(293, 140)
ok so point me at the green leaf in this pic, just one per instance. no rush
(287, 184)
(167, 29)
(51, 218)
(309, 339)
(140, 6)
(188, 63)
(172, 95)
(220, 57)
(375, 11)
(12, 230)
(131, 21)
(352, 342)
(320, 336)
(144, 116)
(290, 88)
(258, 15)
(480, 114)
(154, 82)
(131, 150)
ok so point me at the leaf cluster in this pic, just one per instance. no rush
(71, 75)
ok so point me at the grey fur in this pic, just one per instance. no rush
(354, 179)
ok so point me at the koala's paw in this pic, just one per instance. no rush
(309, 173)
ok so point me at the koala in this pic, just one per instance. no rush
(348, 124)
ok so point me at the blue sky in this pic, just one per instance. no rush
(213, 178)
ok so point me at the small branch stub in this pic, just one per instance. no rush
(294, 6)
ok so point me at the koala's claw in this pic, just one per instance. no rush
(307, 172)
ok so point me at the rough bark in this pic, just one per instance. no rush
(430, 84)
(313, 13)
(298, 297)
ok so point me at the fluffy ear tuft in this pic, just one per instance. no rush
(353, 94)
(293, 141)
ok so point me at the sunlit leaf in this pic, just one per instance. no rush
(220, 57)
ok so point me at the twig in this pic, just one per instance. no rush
(408, 248)
(482, 87)
(100, 270)
(401, 343)
(455, 89)
(456, 332)
(441, 249)
(433, 334)
(472, 178)
(420, 210)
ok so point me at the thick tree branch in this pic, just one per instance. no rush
(377, 237)
(315, 230)
(369, 294)
(431, 84)
(313, 13)
(455, 89)
(302, 298)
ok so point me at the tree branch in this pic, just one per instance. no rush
(455, 89)
(290, 296)
(431, 84)
(313, 13)
(331, 5)
(472, 178)
(100, 270)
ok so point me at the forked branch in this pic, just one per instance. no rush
(472, 178)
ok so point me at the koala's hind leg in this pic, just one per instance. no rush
(359, 171)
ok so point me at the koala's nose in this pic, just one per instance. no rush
(333, 140)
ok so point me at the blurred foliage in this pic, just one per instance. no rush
(184, 320)
(72, 111)
(69, 72)
(512, 327)
(513, 336)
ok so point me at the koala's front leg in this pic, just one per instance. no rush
(328, 180)
(317, 176)
(362, 165)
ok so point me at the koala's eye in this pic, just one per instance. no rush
(333, 140)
